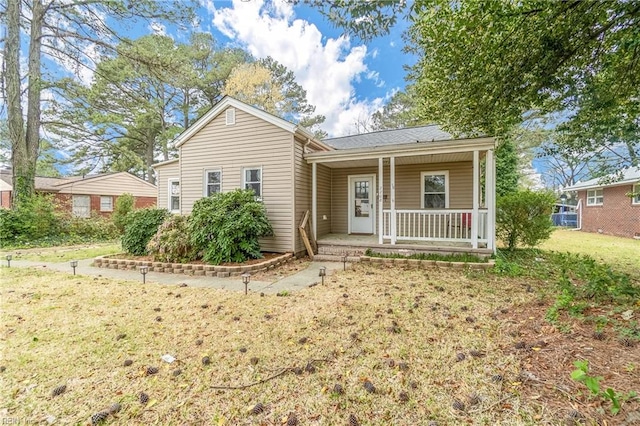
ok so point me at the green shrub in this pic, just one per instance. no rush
(124, 205)
(31, 219)
(141, 226)
(94, 228)
(226, 227)
(172, 243)
(524, 217)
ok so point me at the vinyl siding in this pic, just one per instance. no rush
(408, 188)
(169, 171)
(116, 184)
(302, 174)
(250, 142)
(324, 200)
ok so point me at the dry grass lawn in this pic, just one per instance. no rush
(361, 325)
(621, 253)
(64, 253)
(423, 338)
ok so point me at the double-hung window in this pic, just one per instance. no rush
(212, 182)
(81, 205)
(174, 195)
(435, 190)
(106, 203)
(253, 180)
(635, 200)
(595, 197)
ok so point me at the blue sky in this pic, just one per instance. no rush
(346, 79)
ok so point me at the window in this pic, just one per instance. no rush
(253, 180)
(595, 197)
(81, 205)
(106, 203)
(212, 182)
(636, 191)
(174, 195)
(230, 116)
(435, 190)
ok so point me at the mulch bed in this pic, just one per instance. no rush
(547, 355)
(266, 256)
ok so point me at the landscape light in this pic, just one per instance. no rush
(323, 273)
(74, 265)
(246, 278)
(143, 271)
(344, 261)
(9, 257)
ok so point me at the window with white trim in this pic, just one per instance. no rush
(174, 196)
(435, 190)
(106, 203)
(636, 191)
(212, 182)
(81, 205)
(595, 197)
(253, 180)
(230, 116)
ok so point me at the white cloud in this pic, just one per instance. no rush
(326, 69)
(157, 28)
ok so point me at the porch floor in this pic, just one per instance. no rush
(355, 244)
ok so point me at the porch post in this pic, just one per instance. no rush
(380, 201)
(490, 191)
(476, 199)
(314, 200)
(392, 179)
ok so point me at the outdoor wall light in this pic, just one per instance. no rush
(246, 278)
(74, 265)
(323, 273)
(9, 257)
(143, 271)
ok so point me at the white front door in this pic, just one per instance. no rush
(361, 204)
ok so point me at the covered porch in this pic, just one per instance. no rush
(427, 196)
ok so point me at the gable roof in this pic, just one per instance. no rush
(41, 183)
(629, 175)
(52, 184)
(429, 133)
(164, 163)
(96, 178)
(228, 101)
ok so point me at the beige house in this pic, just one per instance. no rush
(414, 188)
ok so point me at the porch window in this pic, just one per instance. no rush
(212, 182)
(253, 180)
(174, 195)
(106, 203)
(435, 190)
(595, 197)
(81, 205)
(636, 197)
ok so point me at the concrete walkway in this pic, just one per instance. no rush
(294, 282)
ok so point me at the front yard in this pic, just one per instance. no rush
(374, 345)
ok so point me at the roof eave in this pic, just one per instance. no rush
(438, 147)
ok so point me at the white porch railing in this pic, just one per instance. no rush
(435, 225)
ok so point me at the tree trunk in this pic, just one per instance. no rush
(148, 158)
(25, 143)
(14, 107)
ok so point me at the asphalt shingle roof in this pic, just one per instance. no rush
(629, 175)
(390, 137)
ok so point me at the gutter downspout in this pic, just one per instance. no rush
(579, 208)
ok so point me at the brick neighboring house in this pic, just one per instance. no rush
(607, 208)
(83, 196)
